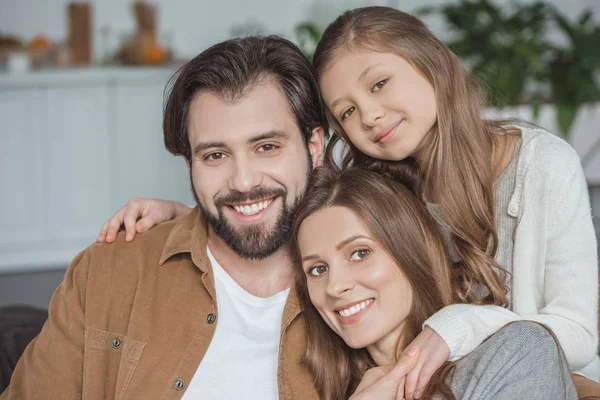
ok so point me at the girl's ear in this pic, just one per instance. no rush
(316, 146)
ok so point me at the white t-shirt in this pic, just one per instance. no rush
(241, 361)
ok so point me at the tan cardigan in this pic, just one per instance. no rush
(133, 321)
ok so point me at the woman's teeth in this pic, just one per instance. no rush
(355, 308)
(251, 209)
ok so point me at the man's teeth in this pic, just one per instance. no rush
(251, 209)
(355, 308)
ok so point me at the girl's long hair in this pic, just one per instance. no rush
(459, 151)
(385, 200)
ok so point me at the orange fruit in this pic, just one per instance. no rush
(40, 42)
(155, 54)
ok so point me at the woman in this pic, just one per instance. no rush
(372, 267)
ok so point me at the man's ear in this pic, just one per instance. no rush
(316, 146)
(187, 162)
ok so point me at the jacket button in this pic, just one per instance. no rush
(116, 343)
(178, 384)
(211, 318)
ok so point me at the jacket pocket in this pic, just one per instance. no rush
(109, 362)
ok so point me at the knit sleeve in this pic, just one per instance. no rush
(465, 326)
(571, 268)
(569, 276)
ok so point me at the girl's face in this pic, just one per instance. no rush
(385, 106)
(353, 282)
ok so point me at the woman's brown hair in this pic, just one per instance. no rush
(459, 152)
(386, 201)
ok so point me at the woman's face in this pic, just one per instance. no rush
(353, 282)
(385, 106)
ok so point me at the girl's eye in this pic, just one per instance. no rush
(347, 113)
(376, 87)
(214, 156)
(360, 254)
(318, 270)
(265, 148)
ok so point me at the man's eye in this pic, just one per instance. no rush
(214, 156)
(347, 113)
(376, 87)
(318, 270)
(267, 147)
(360, 254)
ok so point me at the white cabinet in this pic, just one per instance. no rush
(23, 158)
(75, 145)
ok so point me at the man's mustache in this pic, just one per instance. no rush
(259, 193)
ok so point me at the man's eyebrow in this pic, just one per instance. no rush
(202, 146)
(207, 145)
(268, 135)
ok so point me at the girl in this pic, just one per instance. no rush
(510, 199)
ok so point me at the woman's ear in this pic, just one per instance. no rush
(316, 146)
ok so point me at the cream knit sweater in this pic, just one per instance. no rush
(554, 262)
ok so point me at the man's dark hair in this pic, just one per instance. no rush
(232, 68)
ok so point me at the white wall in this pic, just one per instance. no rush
(195, 24)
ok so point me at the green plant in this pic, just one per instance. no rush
(308, 35)
(574, 68)
(504, 49)
(509, 52)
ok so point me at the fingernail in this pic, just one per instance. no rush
(417, 394)
(412, 351)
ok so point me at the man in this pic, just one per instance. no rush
(139, 320)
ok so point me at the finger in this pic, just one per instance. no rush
(102, 236)
(129, 220)
(405, 364)
(114, 223)
(424, 377)
(400, 392)
(371, 376)
(411, 383)
(154, 217)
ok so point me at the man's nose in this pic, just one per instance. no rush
(245, 175)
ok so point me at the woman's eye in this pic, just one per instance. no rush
(214, 156)
(318, 270)
(379, 85)
(347, 113)
(359, 254)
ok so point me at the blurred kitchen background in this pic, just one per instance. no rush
(81, 94)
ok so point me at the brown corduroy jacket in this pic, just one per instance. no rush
(133, 321)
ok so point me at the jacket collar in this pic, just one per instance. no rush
(189, 235)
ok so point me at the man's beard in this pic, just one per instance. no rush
(256, 241)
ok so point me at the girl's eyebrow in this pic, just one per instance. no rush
(361, 77)
(367, 70)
